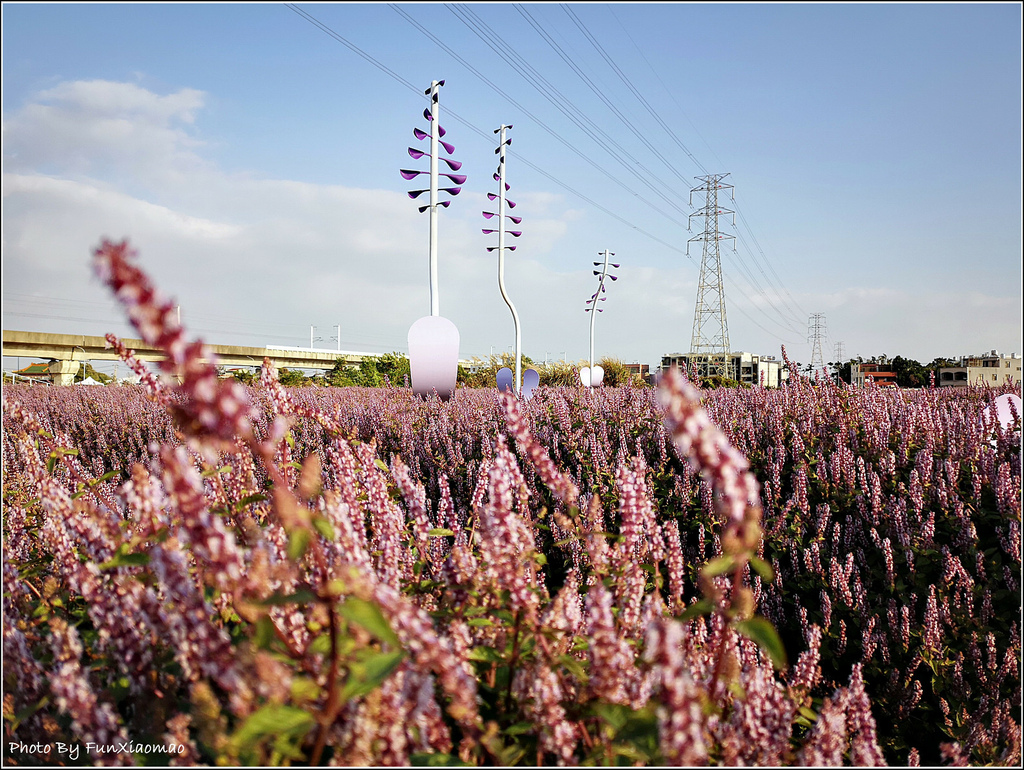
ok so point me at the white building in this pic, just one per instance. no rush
(747, 368)
(991, 368)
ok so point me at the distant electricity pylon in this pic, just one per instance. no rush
(710, 340)
(815, 333)
(840, 352)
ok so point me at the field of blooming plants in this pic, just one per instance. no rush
(198, 572)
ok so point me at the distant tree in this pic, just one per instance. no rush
(909, 373)
(395, 367)
(292, 378)
(372, 372)
(245, 377)
(844, 371)
(87, 370)
(342, 375)
(715, 381)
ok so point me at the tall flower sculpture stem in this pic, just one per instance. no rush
(433, 340)
(602, 274)
(503, 187)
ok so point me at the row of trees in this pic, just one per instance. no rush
(393, 369)
(909, 373)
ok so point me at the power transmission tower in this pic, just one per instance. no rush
(815, 333)
(709, 345)
(840, 352)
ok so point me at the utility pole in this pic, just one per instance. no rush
(710, 339)
(815, 333)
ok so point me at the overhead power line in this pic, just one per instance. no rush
(480, 132)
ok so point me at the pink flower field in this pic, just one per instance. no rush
(201, 573)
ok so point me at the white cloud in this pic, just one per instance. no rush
(100, 127)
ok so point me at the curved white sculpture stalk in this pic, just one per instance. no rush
(594, 375)
(503, 202)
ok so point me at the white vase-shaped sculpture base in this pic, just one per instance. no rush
(434, 356)
(591, 378)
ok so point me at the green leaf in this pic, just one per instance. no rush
(122, 559)
(697, 609)
(302, 596)
(762, 568)
(439, 532)
(287, 724)
(574, 666)
(763, 632)
(485, 654)
(614, 714)
(264, 632)
(367, 674)
(368, 615)
(479, 622)
(298, 542)
(436, 760)
(718, 566)
(304, 689)
(519, 728)
(324, 527)
(250, 499)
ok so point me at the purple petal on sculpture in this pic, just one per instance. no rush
(457, 178)
(614, 265)
(496, 177)
(507, 187)
(491, 196)
(454, 165)
(487, 214)
(511, 248)
(511, 204)
(410, 174)
(424, 208)
(515, 233)
(440, 130)
(517, 220)
(614, 277)
(449, 147)
(417, 154)
(416, 193)
(420, 134)
(452, 190)
(597, 264)
(426, 113)
(488, 232)
(597, 272)
(531, 379)
(504, 378)
(446, 204)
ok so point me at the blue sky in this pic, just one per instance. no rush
(253, 160)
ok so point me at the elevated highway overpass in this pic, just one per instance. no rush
(67, 352)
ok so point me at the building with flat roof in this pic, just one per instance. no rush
(879, 374)
(747, 368)
(991, 368)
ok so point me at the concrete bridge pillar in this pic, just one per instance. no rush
(63, 372)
